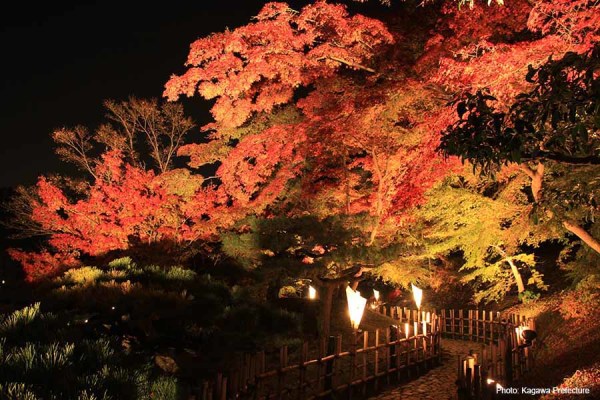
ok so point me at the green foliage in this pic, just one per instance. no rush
(122, 263)
(556, 123)
(557, 120)
(87, 369)
(485, 221)
(528, 296)
(18, 320)
(164, 388)
(16, 391)
(83, 275)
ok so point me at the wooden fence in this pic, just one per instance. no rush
(362, 364)
(504, 356)
(367, 361)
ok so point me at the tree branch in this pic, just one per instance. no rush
(582, 234)
(348, 63)
(562, 158)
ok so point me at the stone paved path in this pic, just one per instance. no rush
(438, 383)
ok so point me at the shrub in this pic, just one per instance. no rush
(581, 302)
(16, 391)
(64, 369)
(164, 388)
(83, 275)
(122, 263)
(19, 319)
(528, 297)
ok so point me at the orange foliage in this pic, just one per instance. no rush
(126, 206)
(44, 264)
(258, 66)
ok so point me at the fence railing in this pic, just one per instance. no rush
(361, 364)
(367, 361)
(505, 355)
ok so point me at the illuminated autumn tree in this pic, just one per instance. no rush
(260, 65)
(125, 208)
(352, 145)
(555, 126)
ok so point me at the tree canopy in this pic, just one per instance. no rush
(358, 125)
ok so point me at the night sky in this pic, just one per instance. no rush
(60, 61)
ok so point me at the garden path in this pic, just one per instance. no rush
(438, 383)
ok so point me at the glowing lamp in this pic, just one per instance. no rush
(490, 381)
(376, 294)
(312, 293)
(356, 306)
(417, 295)
(471, 362)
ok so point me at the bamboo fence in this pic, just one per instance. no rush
(371, 360)
(360, 366)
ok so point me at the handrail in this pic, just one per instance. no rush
(372, 359)
(363, 365)
(505, 355)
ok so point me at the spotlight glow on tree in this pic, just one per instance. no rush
(417, 295)
(356, 306)
(312, 293)
(376, 294)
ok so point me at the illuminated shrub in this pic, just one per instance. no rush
(582, 302)
(83, 275)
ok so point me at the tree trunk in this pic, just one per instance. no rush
(379, 201)
(583, 235)
(537, 177)
(517, 275)
(327, 305)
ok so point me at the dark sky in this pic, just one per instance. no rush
(59, 61)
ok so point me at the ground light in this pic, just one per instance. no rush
(356, 306)
(312, 293)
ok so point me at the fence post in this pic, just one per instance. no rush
(364, 364)
(328, 380)
(388, 354)
(477, 380)
(394, 356)
(303, 359)
(376, 366)
(353, 362)
(508, 358)
(283, 361)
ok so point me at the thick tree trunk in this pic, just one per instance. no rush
(582, 234)
(517, 275)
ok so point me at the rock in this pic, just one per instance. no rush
(166, 363)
